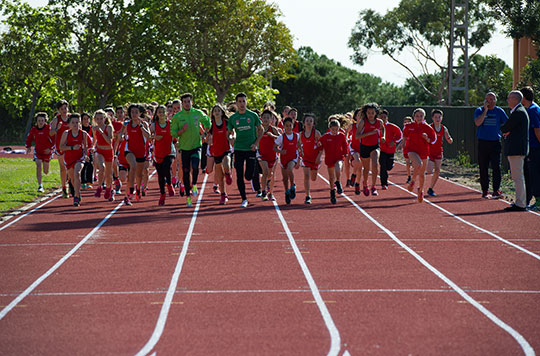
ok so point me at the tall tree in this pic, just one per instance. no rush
(32, 52)
(423, 28)
(225, 42)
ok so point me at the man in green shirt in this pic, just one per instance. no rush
(186, 126)
(246, 127)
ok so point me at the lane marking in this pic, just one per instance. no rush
(532, 254)
(335, 339)
(162, 319)
(30, 212)
(57, 265)
(368, 291)
(525, 346)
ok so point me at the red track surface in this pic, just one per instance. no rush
(241, 289)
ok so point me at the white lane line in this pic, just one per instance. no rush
(476, 190)
(262, 291)
(525, 346)
(162, 319)
(335, 339)
(532, 254)
(38, 281)
(30, 212)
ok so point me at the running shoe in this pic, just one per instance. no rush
(431, 192)
(244, 204)
(40, 189)
(98, 192)
(138, 195)
(264, 196)
(259, 194)
(384, 187)
(293, 191)
(194, 191)
(215, 187)
(485, 195)
(271, 197)
(182, 190)
(410, 187)
(420, 195)
(188, 202)
(497, 194)
(171, 190)
(288, 196)
(365, 190)
(353, 179)
(111, 198)
(76, 201)
(408, 180)
(117, 185)
(127, 201)
(161, 199)
(374, 191)
(338, 187)
(224, 199)
(349, 183)
(357, 189)
(333, 199)
(143, 190)
(107, 194)
(174, 182)
(228, 178)
(308, 200)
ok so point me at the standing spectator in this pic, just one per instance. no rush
(489, 120)
(516, 147)
(532, 161)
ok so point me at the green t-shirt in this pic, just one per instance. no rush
(245, 126)
(191, 138)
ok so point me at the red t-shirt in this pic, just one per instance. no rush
(41, 137)
(266, 147)
(290, 146)
(392, 134)
(354, 142)
(415, 141)
(162, 148)
(335, 147)
(72, 156)
(61, 126)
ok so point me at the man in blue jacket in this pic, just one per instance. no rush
(516, 146)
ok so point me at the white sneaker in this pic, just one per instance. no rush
(244, 204)
(40, 189)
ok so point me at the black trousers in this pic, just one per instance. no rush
(164, 173)
(532, 173)
(190, 164)
(386, 161)
(87, 172)
(249, 160)
(489, 153)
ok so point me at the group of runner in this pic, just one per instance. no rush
(114, 149)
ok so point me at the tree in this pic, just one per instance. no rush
(324, 87)
(32, 52)
(421, 27)
(115, 46)
(225, 42)
(488, 73)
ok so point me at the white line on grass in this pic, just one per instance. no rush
(335, 339)
(28, 213)
(525, 346)
(473, 225)
(162, 319)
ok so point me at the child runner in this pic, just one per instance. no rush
(245, 128)
(354, 148)
(402, 145)
(58, 125)
(311, 155)
(419, 136)
(392, 138)
(75, 143)
(164, 151)
(103, 137)
(88, 169)
(334, 144)
(43, 146)
(185, 125)
(371, 132)
(287, 145)
(176, 106)
(436, 149)
(219, 151)
(266, 155)
(118, 123)
(136, 133)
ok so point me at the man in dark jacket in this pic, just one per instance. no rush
(516, 146)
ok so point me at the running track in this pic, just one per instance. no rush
(371, 275)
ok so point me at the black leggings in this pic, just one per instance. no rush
(87, 172)
(190, 164)
(164, 173)
(249, 158)
(386, 161)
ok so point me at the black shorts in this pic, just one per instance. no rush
(365, 151)
(219, 159)
(137, 159)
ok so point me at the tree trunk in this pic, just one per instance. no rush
(30, 119)
(102, 100)
(221, 93)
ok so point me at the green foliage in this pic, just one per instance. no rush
(531, 75)
(324, 87)
(420, 26)
(487, 73)
(463, 159)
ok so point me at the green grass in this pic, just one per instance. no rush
(18, 183)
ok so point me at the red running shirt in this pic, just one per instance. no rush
(266, 147)
(220, 142)
(309, 147)
(291, 148)
(371, 140)
(162, 148)
(73, 156)
(335, 148)
(354, 142)
(136, 143)
(61, 126)
(415, 141)
(392, 134)
(436, 149)
(42, 139)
